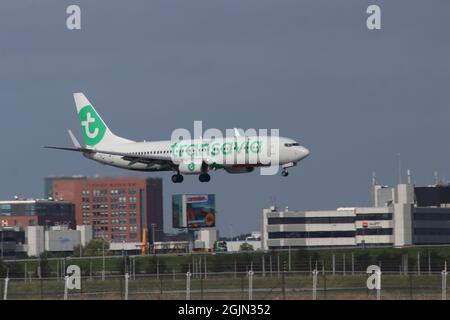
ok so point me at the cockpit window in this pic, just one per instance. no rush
(291, 144)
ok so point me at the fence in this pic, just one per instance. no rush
(265, 263)
(232, 285)
(285, 275)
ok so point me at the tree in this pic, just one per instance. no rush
(43, 265)
(246, 247)
(93, 248)
(3, 269)
(154, 265)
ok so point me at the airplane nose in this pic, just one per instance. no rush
(304, 152)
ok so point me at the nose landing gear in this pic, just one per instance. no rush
(285, 166)
(177, 178)
(204, 177)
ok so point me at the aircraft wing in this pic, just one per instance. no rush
(139, 158)
(130, 155)
(146, 158)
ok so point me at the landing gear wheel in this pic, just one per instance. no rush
(204, 177)
(177, 178)
(284, 173)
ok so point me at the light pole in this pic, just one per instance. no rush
(103, 256)
(2, 243)
(153, 238)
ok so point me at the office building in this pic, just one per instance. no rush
(396, 219)
(22, 213)
(11, 240)
(56, 239)
(118, 209)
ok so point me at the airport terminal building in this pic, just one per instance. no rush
(401, 216)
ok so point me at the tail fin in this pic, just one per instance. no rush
(95, 131)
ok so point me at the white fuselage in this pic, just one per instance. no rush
(229, 152)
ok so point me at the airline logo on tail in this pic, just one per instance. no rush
(93, 127)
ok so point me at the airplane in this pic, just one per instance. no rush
(237, 154)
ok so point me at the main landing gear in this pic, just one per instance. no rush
(284, 173)
(204, 177)
(177, 178)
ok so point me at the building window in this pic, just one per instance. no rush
(374, 216)
(311, 234)
(432, 216)
(374, 231)
(432, 231)
(306, 220)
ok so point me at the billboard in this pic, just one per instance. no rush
(178, 212)
(193, 211)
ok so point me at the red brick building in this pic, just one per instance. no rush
(117, 208)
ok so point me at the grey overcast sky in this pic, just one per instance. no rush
(356, 98)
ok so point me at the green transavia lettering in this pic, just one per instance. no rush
(216, 148)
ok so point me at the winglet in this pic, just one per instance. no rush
(74, 140)
(236, 132)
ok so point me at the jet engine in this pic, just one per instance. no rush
(191, 166)
(239, 169)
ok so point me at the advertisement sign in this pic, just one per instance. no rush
(178, 212)
(371, 224)
(193, 211)
(200, 211)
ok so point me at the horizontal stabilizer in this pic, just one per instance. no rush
(70, 149)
